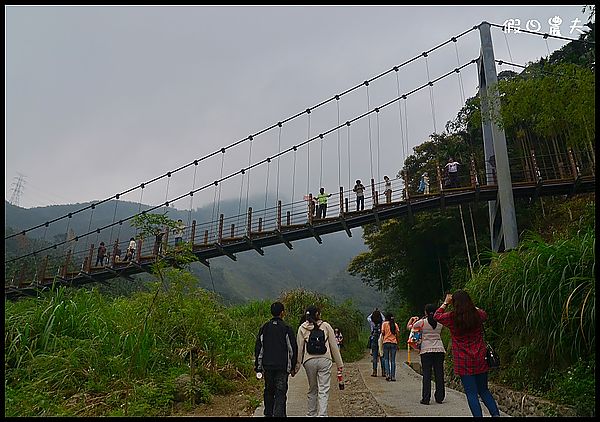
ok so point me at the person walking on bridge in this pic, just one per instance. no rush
(275, 356)
(101, 254)
(468, 349)
(322, 199)
(317, 349)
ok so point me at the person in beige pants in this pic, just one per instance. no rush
(317, 367)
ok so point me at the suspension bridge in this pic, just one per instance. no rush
(495, 178)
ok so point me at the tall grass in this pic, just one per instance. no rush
(542, 296)
(78, 353)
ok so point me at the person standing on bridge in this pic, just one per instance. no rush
(424, 184)
(451, 168)
(388, 189)
(322, 199)
(317, 366)
(178, 231)
(432, 353)
(359, 189)
(101, 254)
(276, 356)
(465, 323)
(130, 250)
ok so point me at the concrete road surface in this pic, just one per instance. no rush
(400, 398)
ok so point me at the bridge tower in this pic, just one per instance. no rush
(503, 221)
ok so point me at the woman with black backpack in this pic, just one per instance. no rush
(317, 349)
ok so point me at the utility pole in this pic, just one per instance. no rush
(17, 190)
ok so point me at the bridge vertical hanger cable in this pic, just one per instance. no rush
(293, 184)
(474, 236)
(308, 155)
(248, 173)
(139, 206)
(462, 221)
(369, 121)
(321, 162)
(430, 93)
(459, 74)
(241, 196)
(508, 47)
(216, 203)
(111, 227)
(402, 141)
(547, 47)
(378, 136)
(337, 102)
(167, 192)
(349, 156)
(192, 195)
(278, 158)
(266, 192)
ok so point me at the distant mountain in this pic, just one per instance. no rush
(318, 267)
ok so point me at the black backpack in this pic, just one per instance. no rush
(316, 342)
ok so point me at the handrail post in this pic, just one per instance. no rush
(139, 250)
(289, 218)
(406, 194)
(249, 227)
(373, 193)
(440, 180)
(193, 233)
(66, 266)
(311, 208)
(279, 215)
(220, 239)
(88, 264)
(341, 200)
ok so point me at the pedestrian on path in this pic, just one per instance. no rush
(390, 332)
(468, 349)
(432, 353)
(375, 320)
(275, 357)
(317, 349)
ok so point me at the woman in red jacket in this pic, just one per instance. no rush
(468, 349)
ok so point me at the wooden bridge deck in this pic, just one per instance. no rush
(288, 234)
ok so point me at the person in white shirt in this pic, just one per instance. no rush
(451, 168)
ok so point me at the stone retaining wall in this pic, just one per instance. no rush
(513, 403)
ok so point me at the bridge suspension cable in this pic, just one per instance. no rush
(293, 148)
(238, 142)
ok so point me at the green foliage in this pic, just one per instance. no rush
(79, 353)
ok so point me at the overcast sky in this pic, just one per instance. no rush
(100, 99)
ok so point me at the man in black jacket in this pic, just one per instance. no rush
(275, 356)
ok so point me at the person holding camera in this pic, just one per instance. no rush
(465, 323)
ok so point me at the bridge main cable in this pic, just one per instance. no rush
(266, 160)
(250, 137)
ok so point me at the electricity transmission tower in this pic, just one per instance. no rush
(17, 190)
